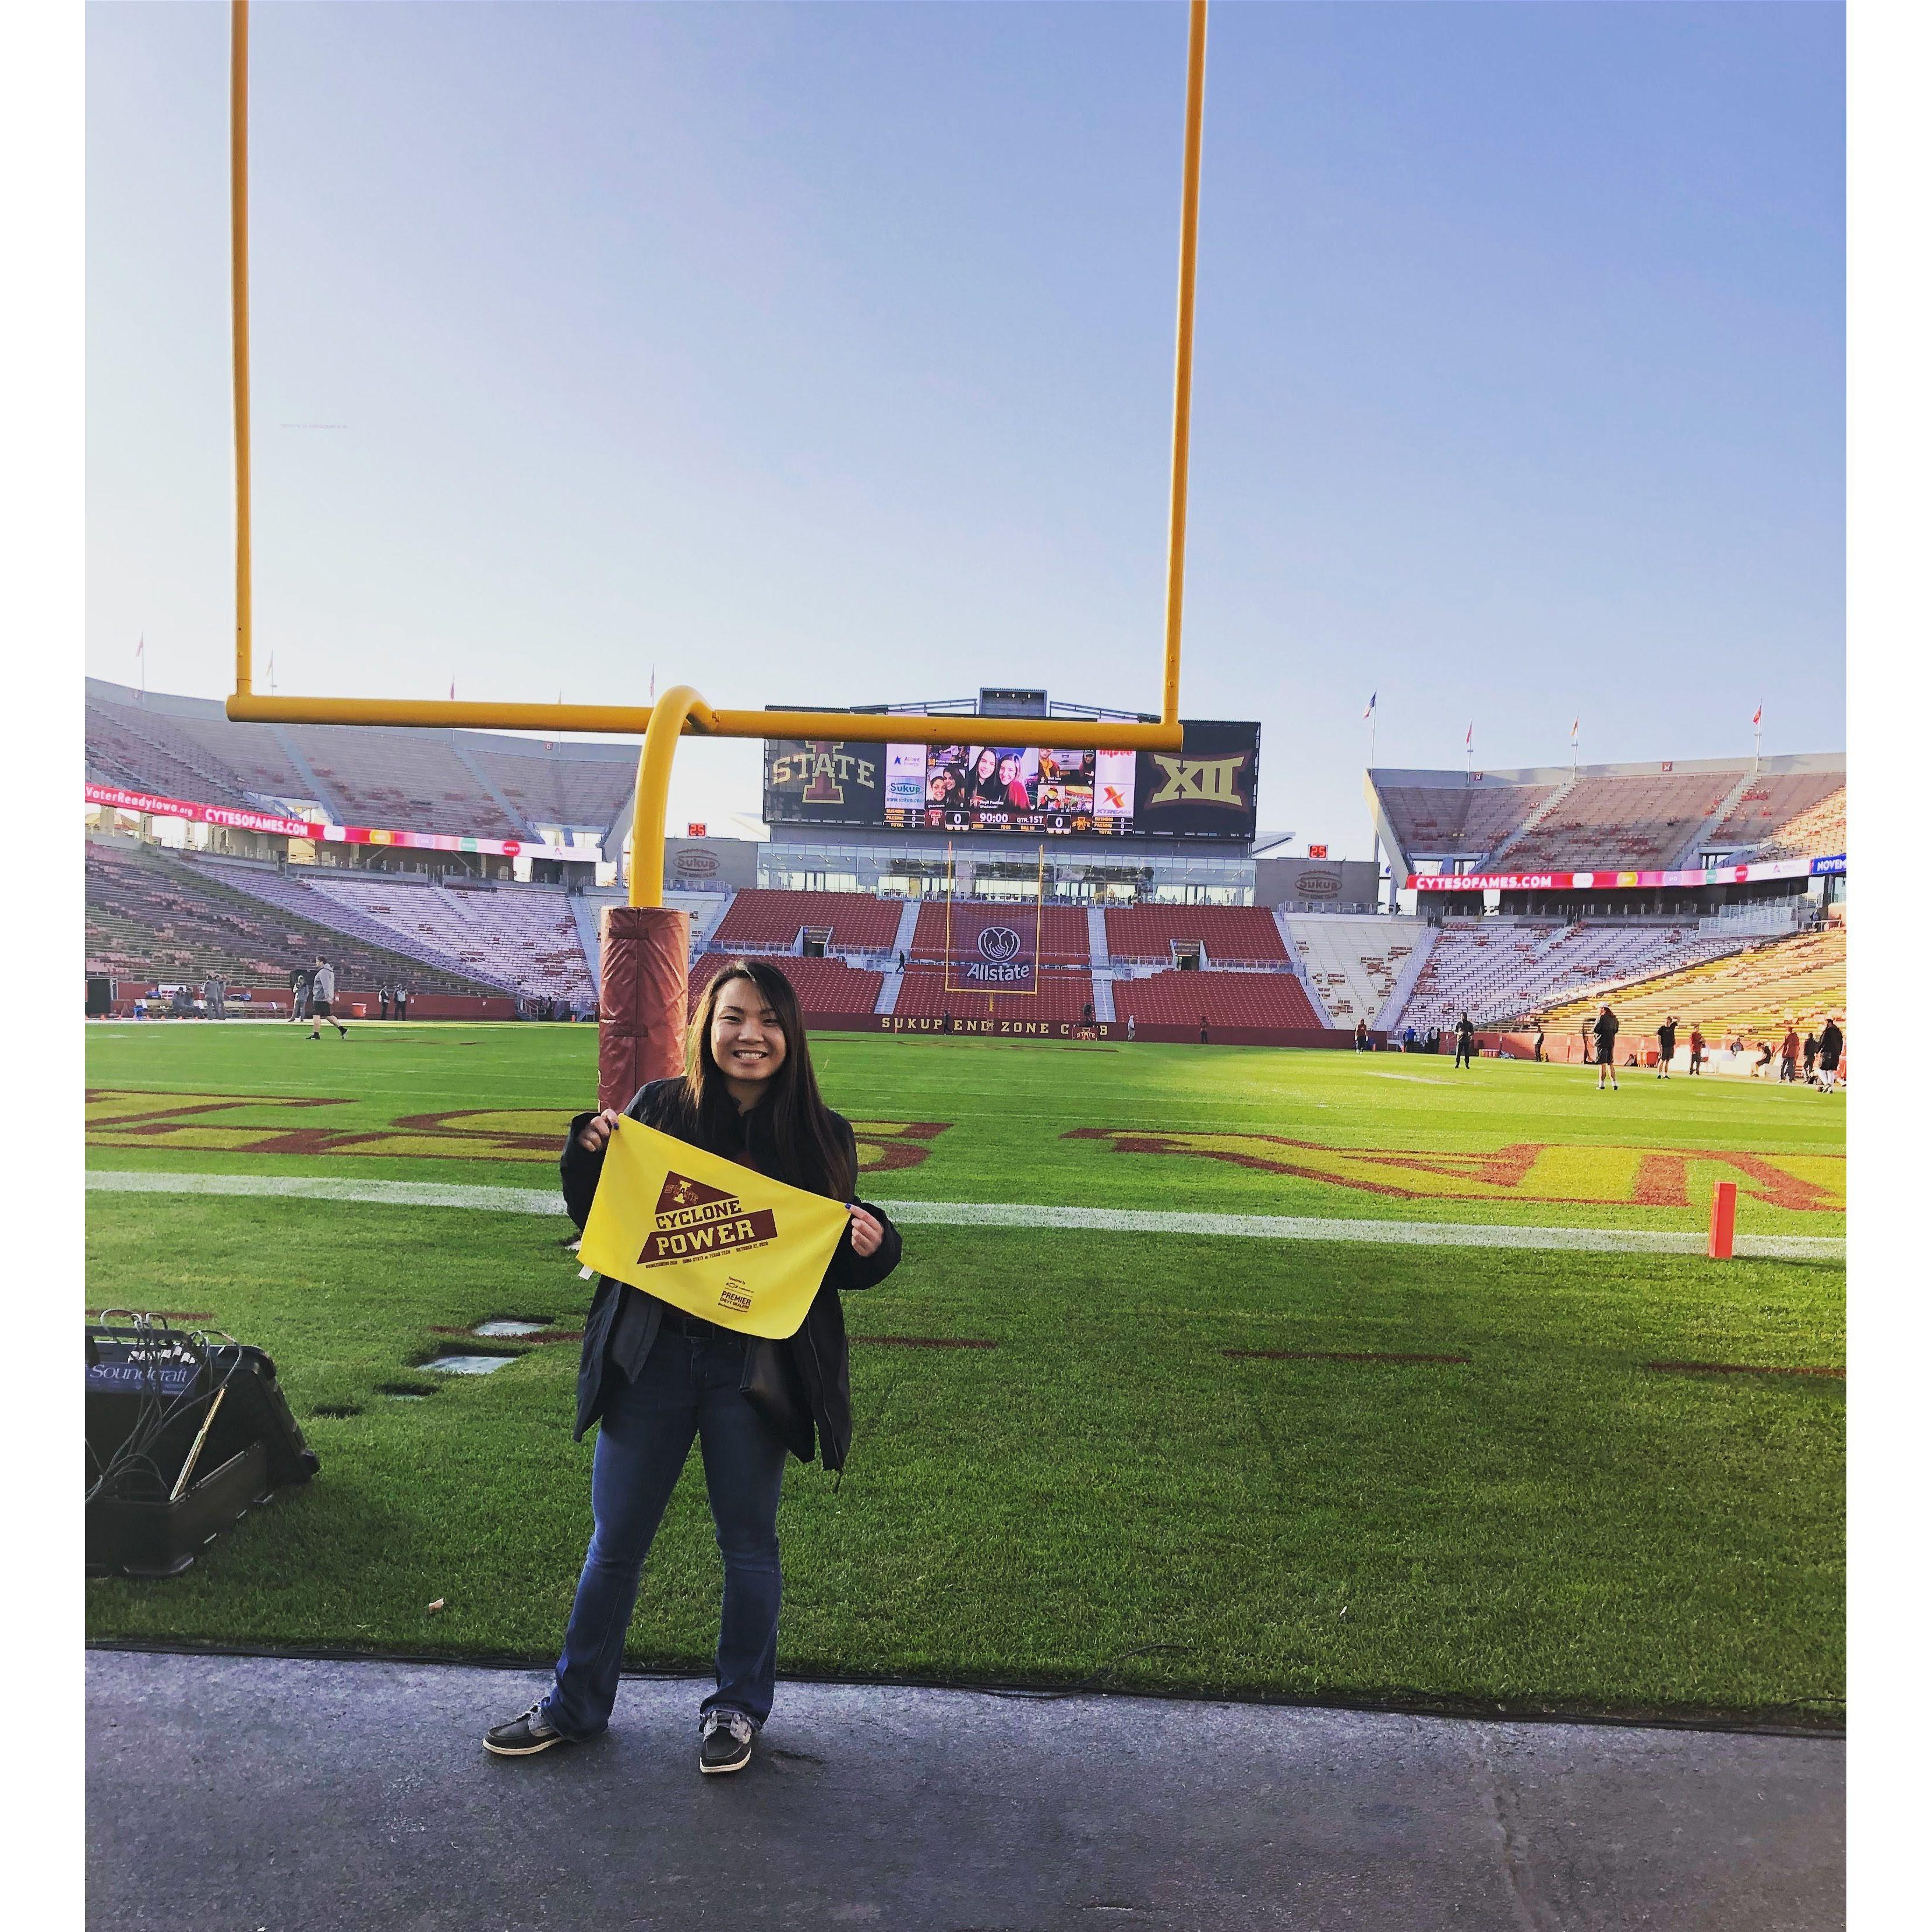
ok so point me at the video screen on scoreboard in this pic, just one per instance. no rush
(1205, 791)
(970, 787)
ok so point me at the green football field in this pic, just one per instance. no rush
(1330, 1468)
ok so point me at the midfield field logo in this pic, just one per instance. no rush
(255, 1124)
(1570, 1175)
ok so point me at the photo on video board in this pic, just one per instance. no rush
(1001, 778)
(1066, 781)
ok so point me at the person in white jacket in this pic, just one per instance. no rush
(323, 1006)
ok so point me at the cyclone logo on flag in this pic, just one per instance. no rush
(998, 943)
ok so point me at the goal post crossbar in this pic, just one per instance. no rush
(682, 712)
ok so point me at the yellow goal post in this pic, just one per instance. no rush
(681, 711)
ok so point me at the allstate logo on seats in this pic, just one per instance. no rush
(1000, 963)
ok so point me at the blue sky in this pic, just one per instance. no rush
(822, 352)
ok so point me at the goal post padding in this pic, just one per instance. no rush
(645, 952)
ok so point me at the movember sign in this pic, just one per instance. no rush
(715, 1239)
(992, 949)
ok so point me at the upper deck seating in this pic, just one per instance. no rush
(142, 751)
(767, 920)
(1459, 820)
(1644, 821)
(412, 781)
(1245, 933)
(1818, 833)
(550, 787)
(1771, 804)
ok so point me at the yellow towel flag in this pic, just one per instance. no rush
(715, 1239)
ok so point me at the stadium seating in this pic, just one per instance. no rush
(1645, 820)
(413, 780)
(1354, 964)
(1460, 819)
(1769, 803)
(290, 891)
(1064, 994)
(1244, 933)
(1500, 969)
(151, 917)
(1817, 832)
(1063, 934)
(767, 921)
(550, 790)
(521, 937)
(143, 751)
(1227, 999)
(828, 987)
(1750, 995)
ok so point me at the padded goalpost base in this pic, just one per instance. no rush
(645, 952)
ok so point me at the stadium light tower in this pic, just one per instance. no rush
(681, 711)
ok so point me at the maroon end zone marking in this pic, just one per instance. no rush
(923, 1341)
(1736, 1369)
(1329, 1355)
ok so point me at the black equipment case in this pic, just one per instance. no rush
(149, 1392)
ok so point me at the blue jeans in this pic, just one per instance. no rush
(688, 1386)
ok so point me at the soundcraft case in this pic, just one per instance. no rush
(254, 1447)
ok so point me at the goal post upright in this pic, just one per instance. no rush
(681, 711)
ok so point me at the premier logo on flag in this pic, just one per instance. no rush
(700, 1232)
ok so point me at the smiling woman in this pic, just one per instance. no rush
(655, 1377)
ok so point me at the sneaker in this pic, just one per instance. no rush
(724, 1743)
(524, 1736)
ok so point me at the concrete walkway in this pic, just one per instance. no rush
(273, 1795)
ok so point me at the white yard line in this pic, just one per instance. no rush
(1014, 1214)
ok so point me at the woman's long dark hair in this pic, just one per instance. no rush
(812, 1152)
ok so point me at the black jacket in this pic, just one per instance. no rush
(1605, 1029)
(623, 1323)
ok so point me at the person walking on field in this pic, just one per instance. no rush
(1666, 1045)
(1361, 1035)
(656, 1377)
(383, 1001)
(1696, 1050)
(1605, 1031)
(1831, 1051)
(1539, 1042)
(402, 1003)
(301, 988)
(1787, 1055)
(1204, 1029)
(1810, 1057)
(321, 1006)
(1466, 1043)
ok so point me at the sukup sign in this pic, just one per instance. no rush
(708, 1236)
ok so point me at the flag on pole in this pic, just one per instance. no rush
(1371, 711)
(452, 690)
(654, 684)
(1576, 724)
(1757, 716)
(1469, 739)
